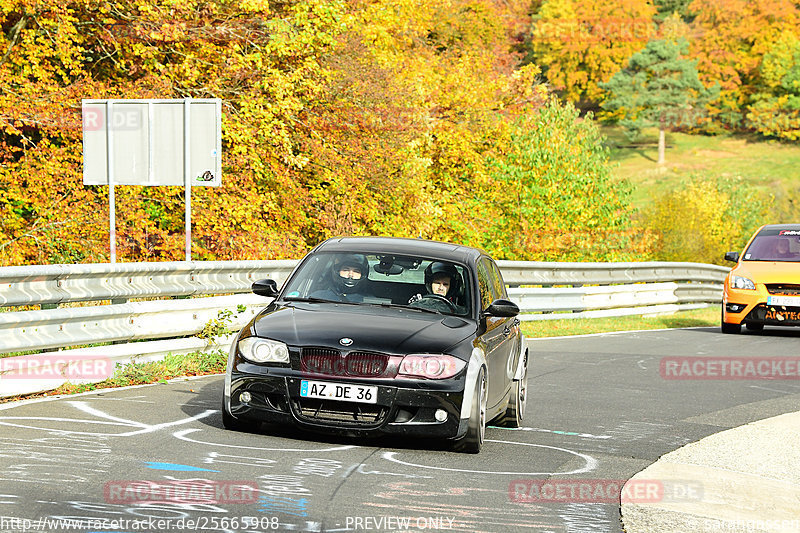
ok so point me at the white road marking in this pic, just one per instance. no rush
(182, 436)
(591, 462)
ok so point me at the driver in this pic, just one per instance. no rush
(783, 250)
(347, 274)
(443, 280)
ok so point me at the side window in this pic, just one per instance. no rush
(497, 281)
(485, 285)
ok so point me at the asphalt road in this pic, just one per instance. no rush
(156, 458)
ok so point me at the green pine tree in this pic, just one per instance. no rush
(668, 7)
(659, 88)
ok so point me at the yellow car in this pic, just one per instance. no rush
(764, 286)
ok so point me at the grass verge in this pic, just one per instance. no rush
(582, 326)
(765, 164)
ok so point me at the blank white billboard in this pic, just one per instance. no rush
(148, 142)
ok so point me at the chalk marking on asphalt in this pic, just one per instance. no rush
(182, 436)
(557, 432)
(83, 406)
(361, 470)
(145, 427)
(591, 462)
(60, 431)
(106, 419)
(133, 399)
(767, 388)
(174, 467)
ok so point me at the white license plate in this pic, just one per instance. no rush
(791, 301)
(326, 390)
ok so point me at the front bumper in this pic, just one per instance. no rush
(403, 407)
(754, 306)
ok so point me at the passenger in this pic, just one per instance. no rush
(441, 279)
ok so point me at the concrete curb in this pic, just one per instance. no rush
(745, 479)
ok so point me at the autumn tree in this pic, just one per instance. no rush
(660, 88)
(774, 108)
(339, 118)
(582, 44)
(666, 8)
(702, 218)
(262, 61)
(437, 82)
(731, 38)
(561, 202)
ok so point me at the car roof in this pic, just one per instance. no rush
(795, 227)
(401, 246)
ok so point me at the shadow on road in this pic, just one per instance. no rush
(211, 393)
(768, 331)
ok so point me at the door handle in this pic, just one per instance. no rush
(506, 331)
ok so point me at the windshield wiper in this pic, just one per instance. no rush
(403, 306)
(308, 299)
(316, 300)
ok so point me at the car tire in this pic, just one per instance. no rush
(472, 441)
(754, 326)
(231, 423)
(729, 328)
(515, 411)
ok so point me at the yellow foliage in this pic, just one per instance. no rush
(580, 44)
(701, 221)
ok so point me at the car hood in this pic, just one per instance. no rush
(371, 328)
(769, 271)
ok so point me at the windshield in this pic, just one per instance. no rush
(774, 245)
(380, 279)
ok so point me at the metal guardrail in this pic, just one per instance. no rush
(612, 300)
(516, 273)
(542, 290)
(56, 284)
(70, 326)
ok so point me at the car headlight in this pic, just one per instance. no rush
(430, 366)
(261, 350)
(738, 282)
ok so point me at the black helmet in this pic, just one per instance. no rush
(445, 269)
(352, 260)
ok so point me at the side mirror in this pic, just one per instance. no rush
(732, 256)
(265, 287)
(502, 308)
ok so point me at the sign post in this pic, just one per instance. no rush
(112, 199)
(187, 175)
(152, 142)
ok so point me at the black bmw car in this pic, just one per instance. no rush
(382, 336)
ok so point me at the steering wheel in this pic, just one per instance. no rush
(436, 299)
